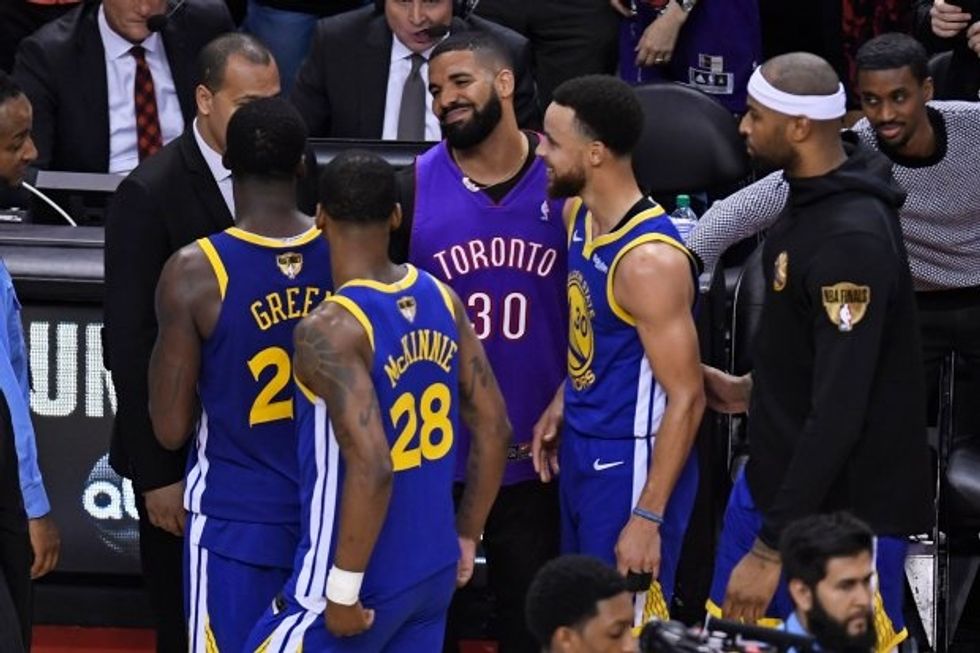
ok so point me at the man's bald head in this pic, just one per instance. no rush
(801, 73)
(795, 105)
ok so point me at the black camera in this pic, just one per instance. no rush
(719, 636)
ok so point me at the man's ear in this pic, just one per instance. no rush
(928, 89)
(395, 219)
(563, 640)
(504, 83)
(798, 129)
(597, 153)
(203, 98)
(801, 594)
(321, 217)
(301, 167)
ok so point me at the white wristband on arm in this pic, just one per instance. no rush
(343, 587)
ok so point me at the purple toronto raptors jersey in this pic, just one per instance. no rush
(507, 262)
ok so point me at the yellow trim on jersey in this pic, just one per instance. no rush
(404, 283)
(886, 637)
(655, 607)
(307, 236)
(714, 610)
(264, 646)
(210, 643)
(358, 314)
(306, 391)
(574, 206)
(216, 264)
(614, 235)
(444, 290)
(621, 312)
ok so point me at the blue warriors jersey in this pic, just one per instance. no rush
(242, 470)
(415, 370)
(611, 391)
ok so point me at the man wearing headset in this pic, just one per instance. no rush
(367, 72)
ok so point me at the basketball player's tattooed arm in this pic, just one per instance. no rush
(187, 299)
(482, 408)
(332, 359)
(654, 284)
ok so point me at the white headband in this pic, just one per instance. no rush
(816, 107)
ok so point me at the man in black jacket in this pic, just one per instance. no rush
(352, 82)
(837, 398)
(180, 194)
(83, 88)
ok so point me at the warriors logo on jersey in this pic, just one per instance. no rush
(581, 340)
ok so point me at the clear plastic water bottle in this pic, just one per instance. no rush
(684, 217)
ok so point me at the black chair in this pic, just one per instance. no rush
(956, 547)
(750, 292)
(690, 143)
(747, 299)
(939, 71)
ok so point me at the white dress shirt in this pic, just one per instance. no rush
(120, 69)
(398, 71)
(221, 174)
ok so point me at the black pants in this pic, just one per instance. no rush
(568, 37)
(521, 534)
(950, 321)
(16, 554)
(162, 560)
(16, 604)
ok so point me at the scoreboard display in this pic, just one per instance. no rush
(73, 403)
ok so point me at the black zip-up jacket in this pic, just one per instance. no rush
(837, 417)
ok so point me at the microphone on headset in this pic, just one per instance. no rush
(436, 31)
(157, 22)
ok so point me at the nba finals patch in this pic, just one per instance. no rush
(845, 303)
(780, 271)
(290, 263)
(406, 306)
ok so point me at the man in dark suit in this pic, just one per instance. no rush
(81, 74)
(355, 81)
(180, 194)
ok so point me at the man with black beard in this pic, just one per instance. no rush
(477, 216)
(836, 397)
(828, 561)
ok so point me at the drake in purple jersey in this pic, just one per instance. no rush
(476, 216)
(507, 261)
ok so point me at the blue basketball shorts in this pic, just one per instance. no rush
(599, 485)
(407, 621)
(223, 597)
(741, 526)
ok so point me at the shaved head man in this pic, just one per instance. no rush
(786, 140)
(836, 396)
